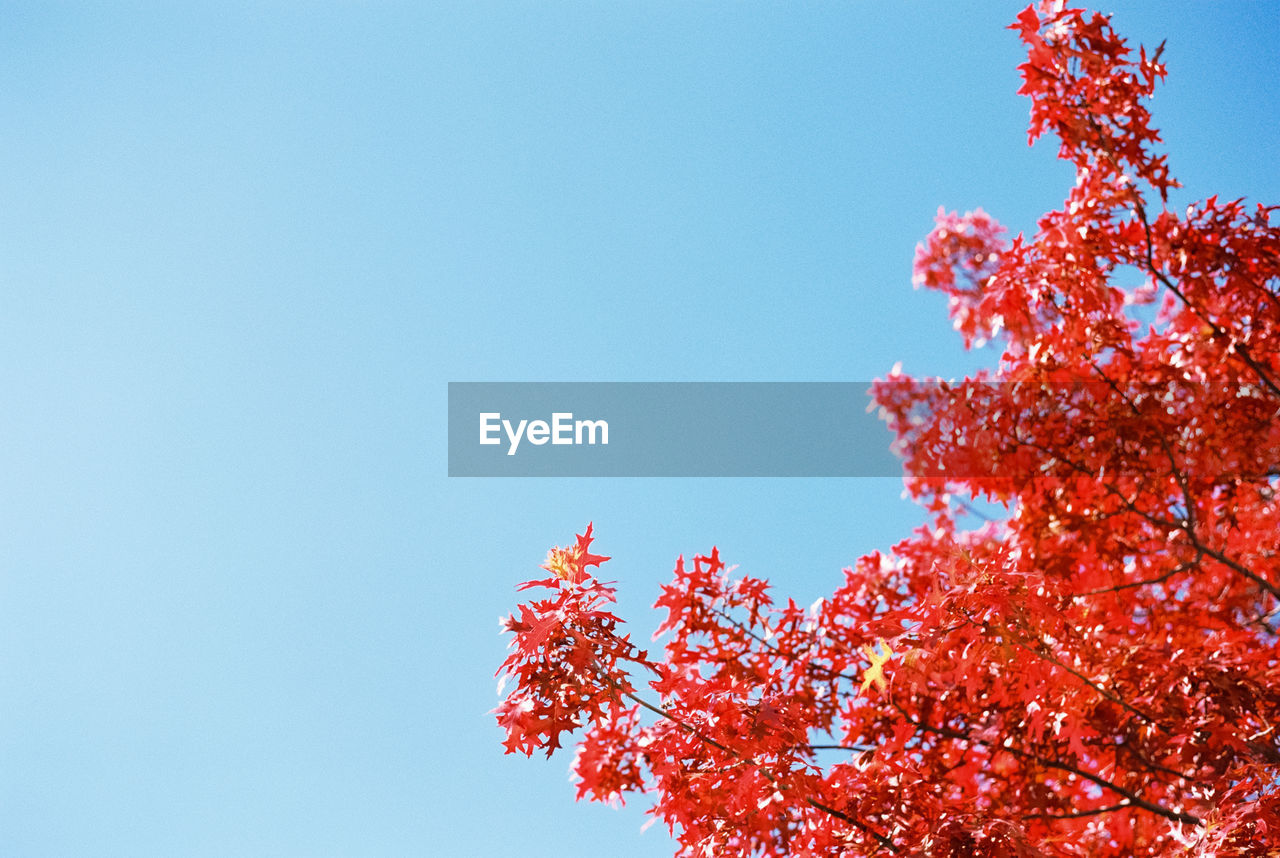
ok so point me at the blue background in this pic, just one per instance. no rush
(243, 249)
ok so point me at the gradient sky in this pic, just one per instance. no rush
(243, 249)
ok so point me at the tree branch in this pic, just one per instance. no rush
(1237, 347)
(1124, 805)
(1133, 798)
(662, 712)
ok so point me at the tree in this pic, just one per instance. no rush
(1097, 673)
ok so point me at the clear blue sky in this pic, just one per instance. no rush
(243, 612)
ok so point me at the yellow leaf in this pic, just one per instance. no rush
(875, 673)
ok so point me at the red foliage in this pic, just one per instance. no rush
(1096, 675)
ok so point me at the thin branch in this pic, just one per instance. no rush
(969, 509)
(1114, 698)
(1151, 764)
(883, 841)
(1181, 567)
(1164, 445)
(1124, 805)
(1165, 524)
(1237, 347)
(779, 652)
(1227, 561)
(1132, 797)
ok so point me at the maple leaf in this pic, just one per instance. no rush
(875, 673)
(570, 564)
